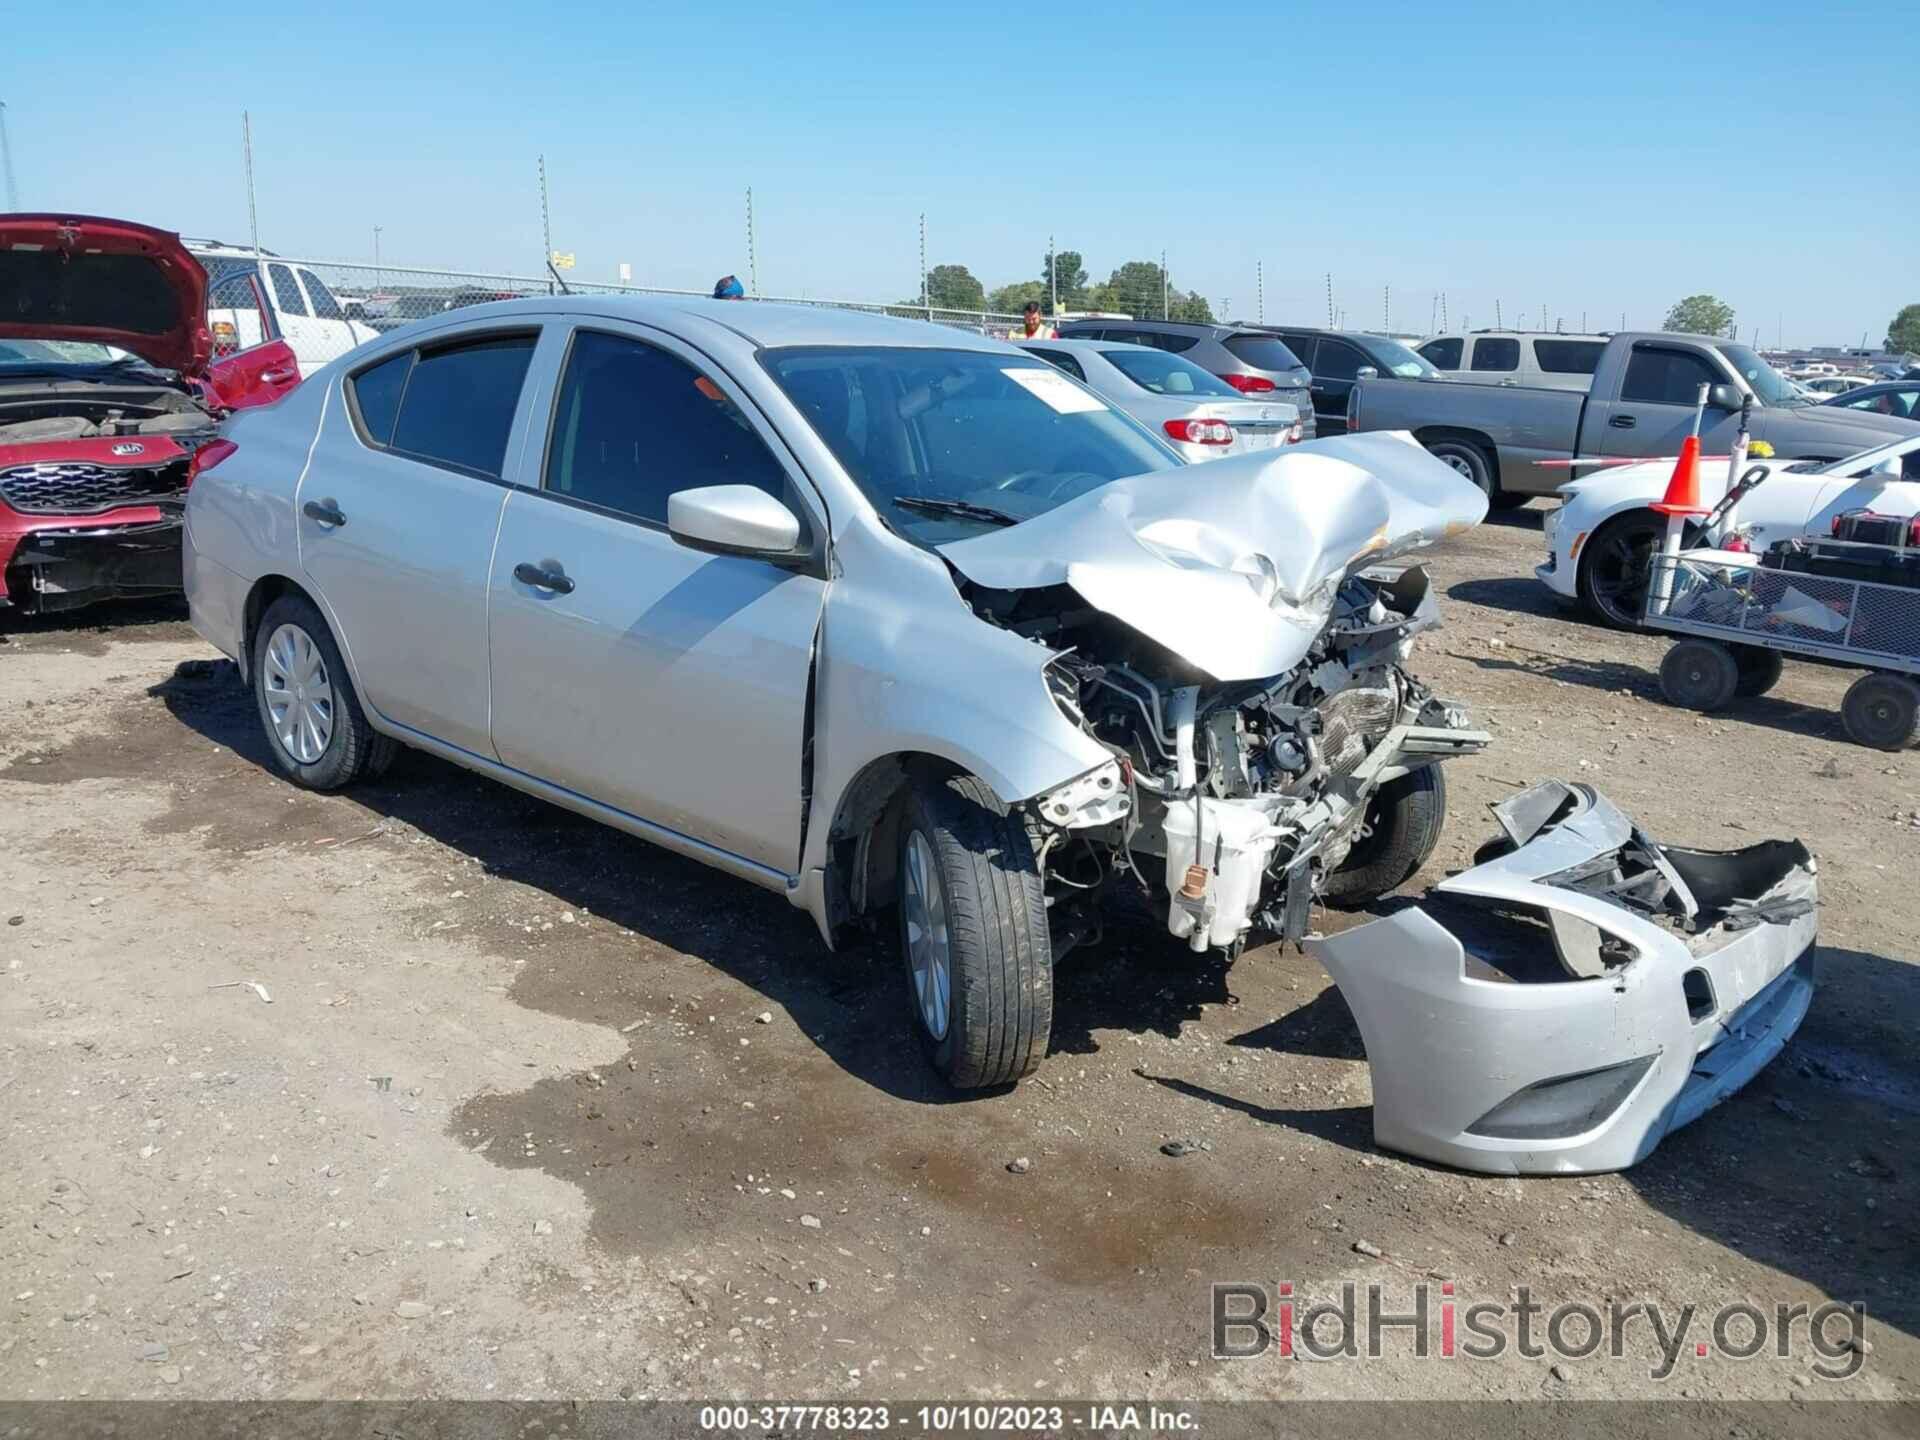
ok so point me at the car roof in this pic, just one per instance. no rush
(760, 322)
(1068, 342)
(1183, 326)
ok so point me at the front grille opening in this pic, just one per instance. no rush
(82, 488)
(1698, 989)
(1564, 1106)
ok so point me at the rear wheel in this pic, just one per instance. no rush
(315, 727)
(1470, 460)
(1699, 675)
(974, 945)
(1404, 821)
(1616, 565)
(1759, 670)
(1882, 711)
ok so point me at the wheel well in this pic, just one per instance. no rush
(866, 826)
(1619, 517)
(266, 590)
(1481, 441)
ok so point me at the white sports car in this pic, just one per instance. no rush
(1600, 542)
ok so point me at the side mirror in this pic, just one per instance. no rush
(733, 520)
(1366, 372)
(1726, 397)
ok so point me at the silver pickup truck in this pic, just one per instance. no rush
(1640, 405)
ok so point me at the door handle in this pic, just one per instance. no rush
(325, 511)
(541, 578)
(1623, 422)
(278, 377)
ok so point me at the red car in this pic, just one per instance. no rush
(109, 406)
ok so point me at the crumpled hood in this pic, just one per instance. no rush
(1233, 565)
(110, 282)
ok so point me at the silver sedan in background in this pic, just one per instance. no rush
(1195, 411)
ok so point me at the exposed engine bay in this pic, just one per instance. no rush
(1252, 793)
(43, 411)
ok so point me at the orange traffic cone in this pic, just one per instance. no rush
(1683, 490)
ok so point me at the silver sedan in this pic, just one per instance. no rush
(890, 619)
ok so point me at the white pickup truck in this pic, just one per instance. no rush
(254, 296)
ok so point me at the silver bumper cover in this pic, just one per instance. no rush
(1603, 991)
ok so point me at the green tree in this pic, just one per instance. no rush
(1903, 335)
(1700, 315)
(953, 287)
(1073, 280)
(1012, 299)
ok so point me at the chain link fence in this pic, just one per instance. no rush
(324, 308)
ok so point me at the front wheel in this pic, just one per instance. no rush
(974, 945)
(1616, 566)
(1404, 821)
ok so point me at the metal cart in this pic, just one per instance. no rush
(1739, 617)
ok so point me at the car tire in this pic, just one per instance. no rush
(315, 728)
(1472, 461)
(1699, 675)
(1882, 711)
(976, 957)
(1404, 820)
(1615, 567)
(1759, 670)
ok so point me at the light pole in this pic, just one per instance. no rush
(6, 161)
(376, 254)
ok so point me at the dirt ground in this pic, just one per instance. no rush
(430, 1089)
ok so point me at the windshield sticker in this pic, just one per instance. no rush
(1060, 393)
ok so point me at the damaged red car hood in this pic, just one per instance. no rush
(109, 282)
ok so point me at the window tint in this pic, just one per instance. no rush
(1174, 344)
(1262, 352)
(459, 402)
(1167, 374)
(286, 294)
(1061, 360)
(376, 396)
(1568, 357)
(324, 305)
(1666, 377)
(1303, 347)
(634, 424)
(1496, 354)
(1443, 354)
(1338, 360)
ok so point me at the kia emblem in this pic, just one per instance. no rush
(130, 447)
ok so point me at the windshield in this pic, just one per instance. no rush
(1398, 360)
(1005, 435)
(39, 357)
(1166, 374)
(1769, 386)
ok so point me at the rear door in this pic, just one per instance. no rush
(329, 318)
(667, 683)
(238, 312)
(397, 514)
(1336, 365)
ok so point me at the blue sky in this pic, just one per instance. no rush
(1594, 159)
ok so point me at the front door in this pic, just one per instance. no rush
(1654, 411)
(398, 511)
(665, 682)
(1336, 365)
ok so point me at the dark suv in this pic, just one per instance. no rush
(1336, 357)
(1252, 360)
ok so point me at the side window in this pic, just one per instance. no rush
(1496, 354)
(286, 294)
(1443, 354)
(1175, 344)
(324, 305)
(1338, 361)
(1568, 357)
(1061, 360)
(1666, 377)
(1303, 348)
(230, 285)
(633, 424)
(459, 400)
(375, 394)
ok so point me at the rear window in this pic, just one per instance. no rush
(1443, 354)
(1496, 354)
(456, 403)
(1165, 374)
(1567, 357)
(1262, 352)
(1060, 360)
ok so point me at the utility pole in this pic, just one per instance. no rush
(546, 226)
(1330, 324)
(246, 143)
(926, 300)
(1260, 291)
(1499, 321)
(1163, 287)
(1386, 307)
(1053, 279)
(6, 161)
(376, 254)
(753, 263)
(1443, 310)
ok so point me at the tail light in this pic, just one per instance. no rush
(1249, 384)
(1201, 432)
(207, 456)
(1294, 433)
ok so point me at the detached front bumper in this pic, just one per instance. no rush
(1561, 1030)
(52, 563)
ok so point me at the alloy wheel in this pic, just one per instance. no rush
(929, 953)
